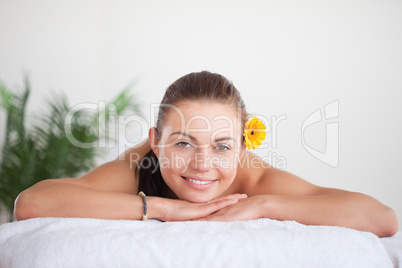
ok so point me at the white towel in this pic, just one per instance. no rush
(393, 245)
(73, 242)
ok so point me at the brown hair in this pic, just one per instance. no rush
(194, 86)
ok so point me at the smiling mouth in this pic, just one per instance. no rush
(198, 182)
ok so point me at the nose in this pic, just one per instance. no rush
(201, 161)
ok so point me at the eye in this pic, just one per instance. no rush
(183, 144)
(222, 147)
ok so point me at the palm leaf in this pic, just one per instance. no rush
(46, 151)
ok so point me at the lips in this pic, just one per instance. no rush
(199, 184)
(202, 182)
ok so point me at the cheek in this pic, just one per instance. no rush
(172, 162)
(228, 174)
(230, 166)
(229, 161)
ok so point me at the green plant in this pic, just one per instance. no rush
(43, 150)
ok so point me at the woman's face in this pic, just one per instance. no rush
(199, 149)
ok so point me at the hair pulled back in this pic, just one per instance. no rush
(200, 86)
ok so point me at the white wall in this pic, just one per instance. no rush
(286, 57)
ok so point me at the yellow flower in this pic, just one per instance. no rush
(254, 133)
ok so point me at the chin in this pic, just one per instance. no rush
(201, 198)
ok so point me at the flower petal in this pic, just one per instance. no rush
(254, 133)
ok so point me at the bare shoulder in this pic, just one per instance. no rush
(134, 155)
(257, 177)
(116, 176)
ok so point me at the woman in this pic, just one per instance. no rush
(195, 166)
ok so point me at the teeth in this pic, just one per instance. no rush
(198, 182)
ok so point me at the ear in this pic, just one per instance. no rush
(154, 140)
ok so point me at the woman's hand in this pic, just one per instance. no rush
(181, 210)
(246, 209)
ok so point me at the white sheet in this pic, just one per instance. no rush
(393, 245)
(72, 242)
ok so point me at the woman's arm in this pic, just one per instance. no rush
(347, 209)
(281, 195)
(107, 192)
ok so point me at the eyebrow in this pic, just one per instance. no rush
(194, 139)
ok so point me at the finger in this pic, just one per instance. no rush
(238, 196)
(212, 218)
(209, 208)
(242, 196)
(231, 196)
